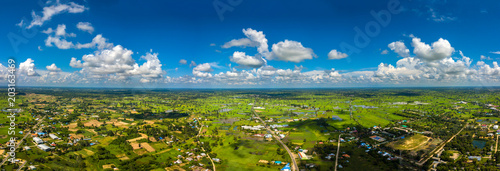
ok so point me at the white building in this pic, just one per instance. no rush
(37, 140)
(43, 147)
(54, 137)
(495, 126)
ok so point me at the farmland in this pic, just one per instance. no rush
(178, 129)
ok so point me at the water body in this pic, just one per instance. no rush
(479, 143)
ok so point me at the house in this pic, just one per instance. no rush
(178, 161)
(346, 155)
(43, 147)
(478, 158)
(303, 156)
(27, 148)
(32, 167)
(286, 168)
(495, 126)
(216, 160)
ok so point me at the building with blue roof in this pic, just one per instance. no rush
(286, 168)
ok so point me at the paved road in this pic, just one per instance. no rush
(20, 142)
(422, 162)
(294, 166)
(337, 156)
(24, 163)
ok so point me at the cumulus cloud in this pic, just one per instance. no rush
(439, 50)
(116, 64)
(28, 68)
(182, 62)
(292, 51)
(56, 9)
(400, 48)
(60, 31)
(203, 70)
(58, 42)
(57, 37)
(53, 68)
(149, 70)
(245, 60)
(75, 63)
(334, 54)
(85, 26)
(117, 60)
(205, 67)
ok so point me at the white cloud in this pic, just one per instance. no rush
(485, 57)
(61, 31)
(292, 51)
(205, 67)
(50, 11)
(20, 24)
(192, 64)
(250, 61)
(53, 68)
(439, 50)
(28, 68)
(497, 52)
(334, 54)
(57, 37)
(203, 70)
(117, 60)
(149, 70)
(400, 48)
(385, 51)
(182, 62)
(98, 41)
(260, 38)
(58, 42)
(75, 63)
(85, 26)
(243, 42)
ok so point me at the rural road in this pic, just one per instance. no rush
(496, 145)
(199, 132)
(21, 141)
(24, 163)
(337, 156)
(422, 162)
(294, 166)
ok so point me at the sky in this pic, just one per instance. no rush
(251, 44)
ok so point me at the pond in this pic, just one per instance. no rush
(479, 143)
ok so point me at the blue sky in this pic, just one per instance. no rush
(300, 35)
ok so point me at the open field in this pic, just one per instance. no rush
(158, 130)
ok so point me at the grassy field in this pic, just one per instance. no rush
(409, 143)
